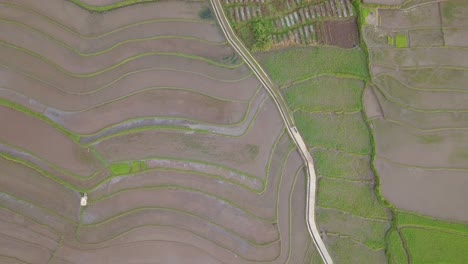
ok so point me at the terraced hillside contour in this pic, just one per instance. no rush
(182, 153)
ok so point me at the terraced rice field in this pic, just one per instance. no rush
(417, 106)
(181, 151)
(326, 98)
(296, 22)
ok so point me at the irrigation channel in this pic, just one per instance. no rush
(237, 44)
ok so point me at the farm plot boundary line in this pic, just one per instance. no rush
(292, 130)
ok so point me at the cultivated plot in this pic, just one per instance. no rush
(418, 110)
(146, 108)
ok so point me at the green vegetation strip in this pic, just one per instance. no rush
(435, 246)
(294, 64)
(341, 165)
(320, 94)
(406, 219)
(334, 131)
(353, 197)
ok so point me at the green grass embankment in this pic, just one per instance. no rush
(324, 87)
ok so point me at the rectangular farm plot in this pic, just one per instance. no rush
(420, 57)
(247, 153)
(371, 232)
(429, 149)
(423, 16)
(356, 198)
(320, 94)
(304, 63)
(21, 181)
(457, 37)
(436, 246)
(427, 120)
(423, 100)
(42, 140)
(345, 132)
(341, 165)
(454, 13)
(427, 37)
(347, 250)
(428, 78)
(439, 193)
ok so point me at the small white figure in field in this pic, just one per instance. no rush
(84, 199)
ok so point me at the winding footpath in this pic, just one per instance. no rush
(237, 44)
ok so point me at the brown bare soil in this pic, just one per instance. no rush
(442, 149)
(442, 79)
(213, 178)
(453, 13)
(28, 133)
(248, 153)
(422, 120)
(425, 191)
(34, 187)
(456, 37)
(75, 63)
(168, 103)
(371, 104)
(87, 93)
(420, 57)
(89, 24)
(343, 34)
(425, 15)
(427, 37)
(161, 250)
(15, 248)
(420, 99)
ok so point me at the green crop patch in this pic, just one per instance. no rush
(368, 231)
(365, 12)
(354, 197)
(390, 41)
(344, 132)
(256, 34)
(326, 93)
(401, 41)
(434, 246)
(295, 64)
(120, 168)
(336, 164)
(347, 250)
(395, 251)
